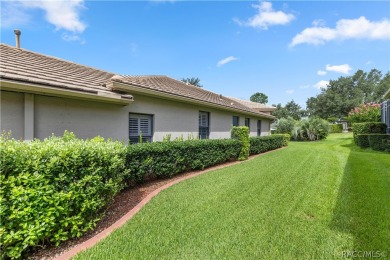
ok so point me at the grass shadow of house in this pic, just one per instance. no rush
(362, 209)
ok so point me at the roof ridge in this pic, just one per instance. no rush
(56, 58)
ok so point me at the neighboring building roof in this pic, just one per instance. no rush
(164, 84)
(387, 94)
(255, 105)
(28, 67)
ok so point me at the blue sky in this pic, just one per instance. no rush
(285, 49)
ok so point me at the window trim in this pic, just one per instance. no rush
(238, 120)
(259, 123)
(204, 127)
(145, 138)
(247, 119)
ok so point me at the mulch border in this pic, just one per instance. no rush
(103, 234)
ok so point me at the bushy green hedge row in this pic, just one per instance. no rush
(263, 144)
(378, 142)
(165, 159)
(367, 128)
(286, 138)
(54, 189)
(362, 140)
(336, 128)
(241, 133)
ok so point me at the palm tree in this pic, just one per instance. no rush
(193, 81)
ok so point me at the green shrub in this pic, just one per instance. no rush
(365, 113)
(379, 142)
(241, 133)
(165, 159)
(286, 138)
(311, 129)
(368, 128)
(336, 128)
(263, 144)
(362, 140)
(55, 189)
(285, 125)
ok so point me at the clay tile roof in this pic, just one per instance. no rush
(26, 66)
(30, 67)
(175, 87)
(254, 105)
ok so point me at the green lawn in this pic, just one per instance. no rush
(308, 201)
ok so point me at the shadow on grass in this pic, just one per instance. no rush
(363, 204)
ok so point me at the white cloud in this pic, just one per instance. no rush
(321, 84)
(72, 38)
(360, 28)
(289, 91)
(321, 72)
(12, 14)
(266, 17)
(344, 68)
(63, 14)
(226, 60)
(318, 22)
(368, 62)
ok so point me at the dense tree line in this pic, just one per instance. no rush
(345, 93)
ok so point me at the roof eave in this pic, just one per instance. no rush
(95, 95)
(132, 88)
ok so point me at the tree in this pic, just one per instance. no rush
(345, 93)
(291, 109)
(259, 98)
(193, 81)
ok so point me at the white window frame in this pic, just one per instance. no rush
(144, 125)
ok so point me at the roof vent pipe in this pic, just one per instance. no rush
(17, 35)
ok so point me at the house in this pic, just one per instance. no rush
(385, 110)
(43, 95)
(256, 106)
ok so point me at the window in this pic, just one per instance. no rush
(140, 125)
(248, 122)
(236, 121)
(203, 125)
(258, 127)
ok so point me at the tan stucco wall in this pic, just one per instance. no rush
(85, 118)
(12, 113)
(88, 119)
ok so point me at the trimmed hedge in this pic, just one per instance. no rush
(379, 142)
(336, 128)
(368, 128)
(263, 144)
(165, 159)
(55, 189)
(286, 138)
(58, 188)
(241, 133)
(362, 140)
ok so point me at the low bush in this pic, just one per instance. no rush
(362, 140)
(55, 189)
(368, 128)
(311, 129)
(286, 138)
(241, 133)
(285, 125)
(263, 144)
(165, 159)
(365, 113)
(379, 142)
(336, 128)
